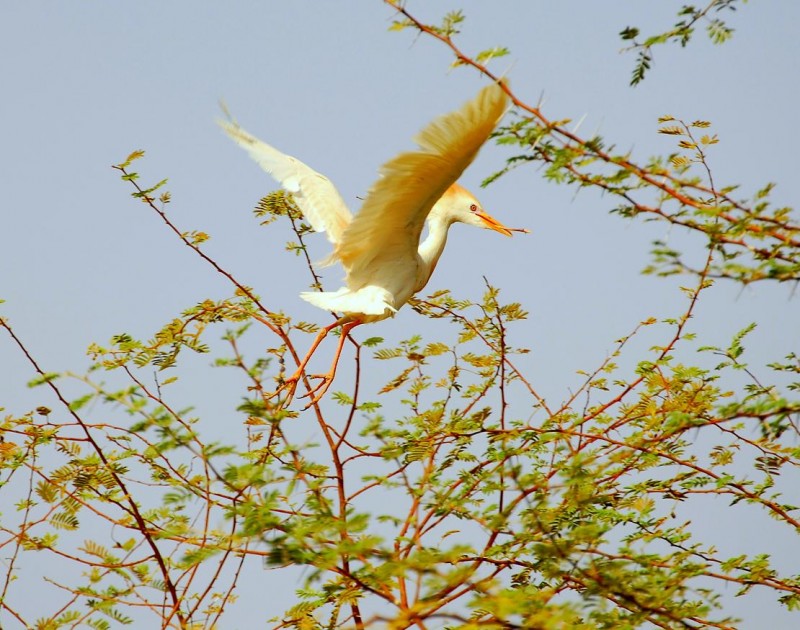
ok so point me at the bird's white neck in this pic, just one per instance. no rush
(432, 247)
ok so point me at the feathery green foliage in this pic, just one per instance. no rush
(452, 494)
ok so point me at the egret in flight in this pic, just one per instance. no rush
(379, 247)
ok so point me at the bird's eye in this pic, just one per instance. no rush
(473, 208)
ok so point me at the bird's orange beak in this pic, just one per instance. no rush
(494, 224)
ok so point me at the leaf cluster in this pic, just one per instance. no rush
(689, 17)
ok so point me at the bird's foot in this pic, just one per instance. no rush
(289, 387)
(316, 393)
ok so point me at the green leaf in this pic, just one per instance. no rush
(43, 378)
(486, 55)
(135, 155)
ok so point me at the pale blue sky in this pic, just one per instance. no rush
(86, 83)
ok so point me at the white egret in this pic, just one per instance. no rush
(379, 247)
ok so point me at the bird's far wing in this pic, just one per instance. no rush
(391, 219)
(315, 195)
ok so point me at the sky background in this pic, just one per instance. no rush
(84, 84)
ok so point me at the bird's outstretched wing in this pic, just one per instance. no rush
(390, 221)
(315, 195)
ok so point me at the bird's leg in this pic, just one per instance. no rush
(326, 379)
(290, 384)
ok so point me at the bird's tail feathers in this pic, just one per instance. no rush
(369, 300)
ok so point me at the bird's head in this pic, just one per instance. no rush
(459, 205)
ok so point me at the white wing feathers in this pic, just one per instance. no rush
(315, 195)
(390, 221)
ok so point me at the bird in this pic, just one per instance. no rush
(379, 247)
